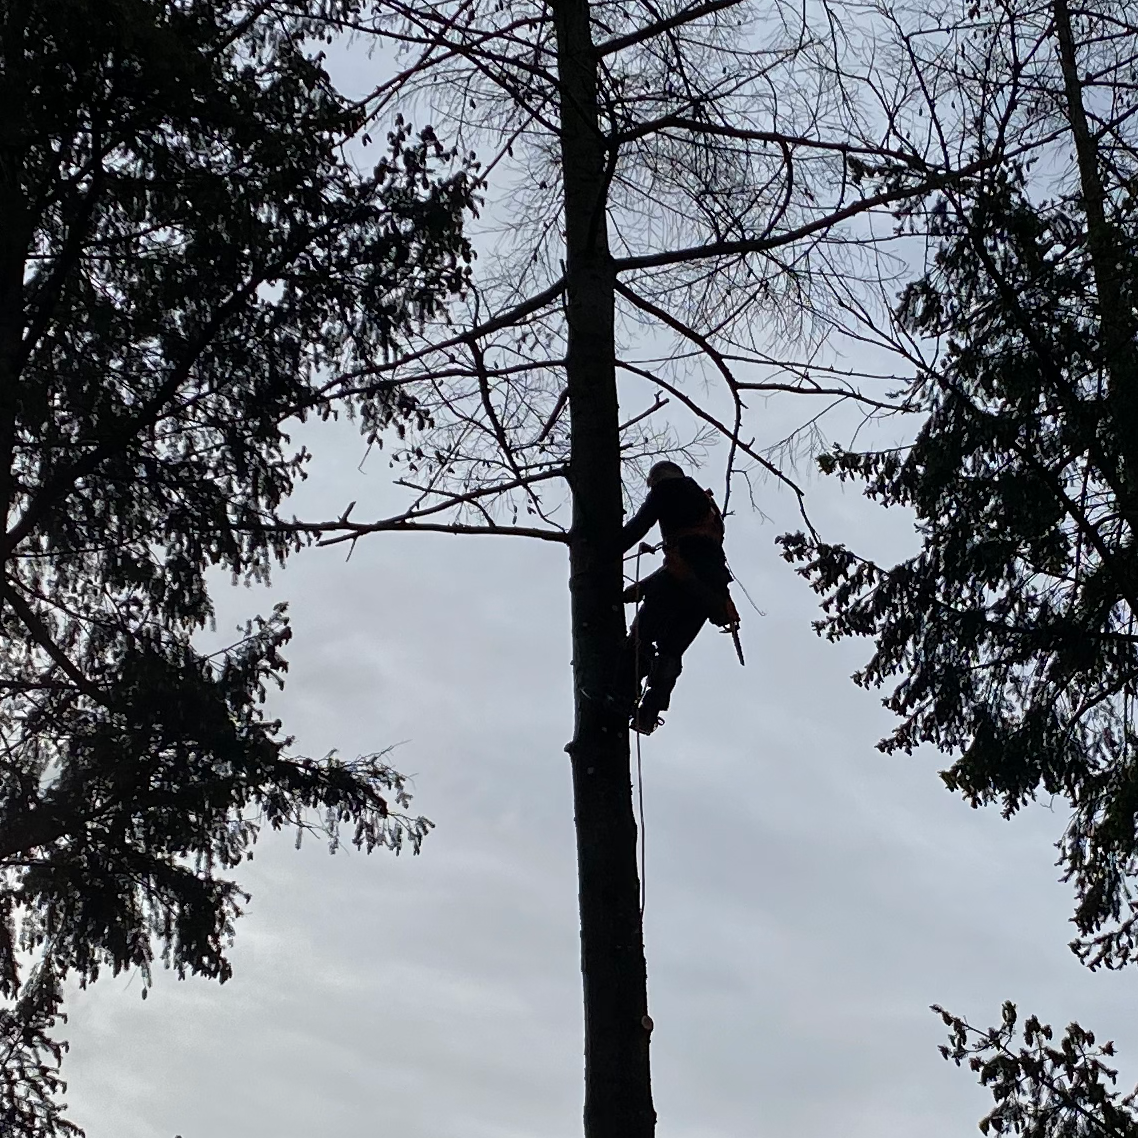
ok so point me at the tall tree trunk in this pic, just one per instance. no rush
(14, 242)
(618, 1093)
(1116, 322)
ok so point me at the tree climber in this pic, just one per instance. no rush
(678, 599)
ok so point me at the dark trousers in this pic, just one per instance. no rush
(669, 619)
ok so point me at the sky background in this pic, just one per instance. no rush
(807, 896)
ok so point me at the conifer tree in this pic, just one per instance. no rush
(1007, 640)
(1009, 636)
(188, 258)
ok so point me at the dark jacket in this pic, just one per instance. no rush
(680, 504)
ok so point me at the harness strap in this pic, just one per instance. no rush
(711, 526)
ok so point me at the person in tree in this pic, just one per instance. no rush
(678, 599)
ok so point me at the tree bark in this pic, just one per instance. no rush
(14, 240)
(618, 1093)
(1116, 322)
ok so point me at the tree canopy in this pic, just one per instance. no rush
(1042, 1087)
(1009, 636)
(190, 254)
(193, 260)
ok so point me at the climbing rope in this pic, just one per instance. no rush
(743, 587)
(639, 764)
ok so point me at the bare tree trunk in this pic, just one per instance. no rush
(618, 1094)
(13, 257)
(1116, 322)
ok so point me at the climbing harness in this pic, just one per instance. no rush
(712, 526)
(721, 610)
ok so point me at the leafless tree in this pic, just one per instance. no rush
(673, 191)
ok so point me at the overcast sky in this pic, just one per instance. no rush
(807, 897)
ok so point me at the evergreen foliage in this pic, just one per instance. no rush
(1042, 1088)
(189, 255)
(1009, 637)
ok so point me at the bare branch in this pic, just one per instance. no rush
(774, 137)
(554, 415)
(723, 429)
(818, 225)
(496, 423)
(657, 403)
(413, 519)
(642, 34)
(815, 389)
(684, 330)
(357, 531)
(494, 324)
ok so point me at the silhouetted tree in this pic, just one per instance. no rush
(666, 184)
(1011, 632)
(187, 256)
(1043, 1088)
(1008, 639)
